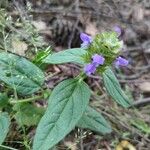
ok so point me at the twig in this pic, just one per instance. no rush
(75, 25)
(141, 102)
(7, 147)
(132, 81)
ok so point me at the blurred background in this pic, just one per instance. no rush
(33, 25)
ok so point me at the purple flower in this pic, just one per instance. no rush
(121, 61)
(98, 60)
(117, 29)
(86, 39)
(89, 69)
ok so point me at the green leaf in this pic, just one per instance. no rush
(28, 114)
(40, 56)
(67, 103)
(4, 126)
(20, 74)
(73, 55)
(3, 100)
(140, 124)
(114, 89)
(93, 120)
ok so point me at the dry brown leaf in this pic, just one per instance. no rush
(39, 25)
(71, 145)
(138, 13)
(146, 46)
(130, 35)
(145, 87)
(19, 47)
(91, 29)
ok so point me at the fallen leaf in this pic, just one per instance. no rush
(138, 13)
(39, 25)
(91, 29)
(125, 145)
(71, 145)
(19, 47)
(145, 87)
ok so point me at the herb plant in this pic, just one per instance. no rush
(68, 103)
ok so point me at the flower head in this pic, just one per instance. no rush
(86, 39)
(121, 61)
(98, 60)
(89, 69)
(117, 29)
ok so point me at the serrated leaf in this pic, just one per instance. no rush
(73, 55)
(20, 74)
(114, 89)
(94, 121)
(67, 103)
(28, 114)
(4, 126)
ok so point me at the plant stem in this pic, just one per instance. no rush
(8, 147)
(26, 100)
(80, 77)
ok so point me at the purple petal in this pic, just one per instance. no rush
(89, 69)
(117, 29)
(98, 60)
(85, 38)
(84, 44)
(121, 61)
